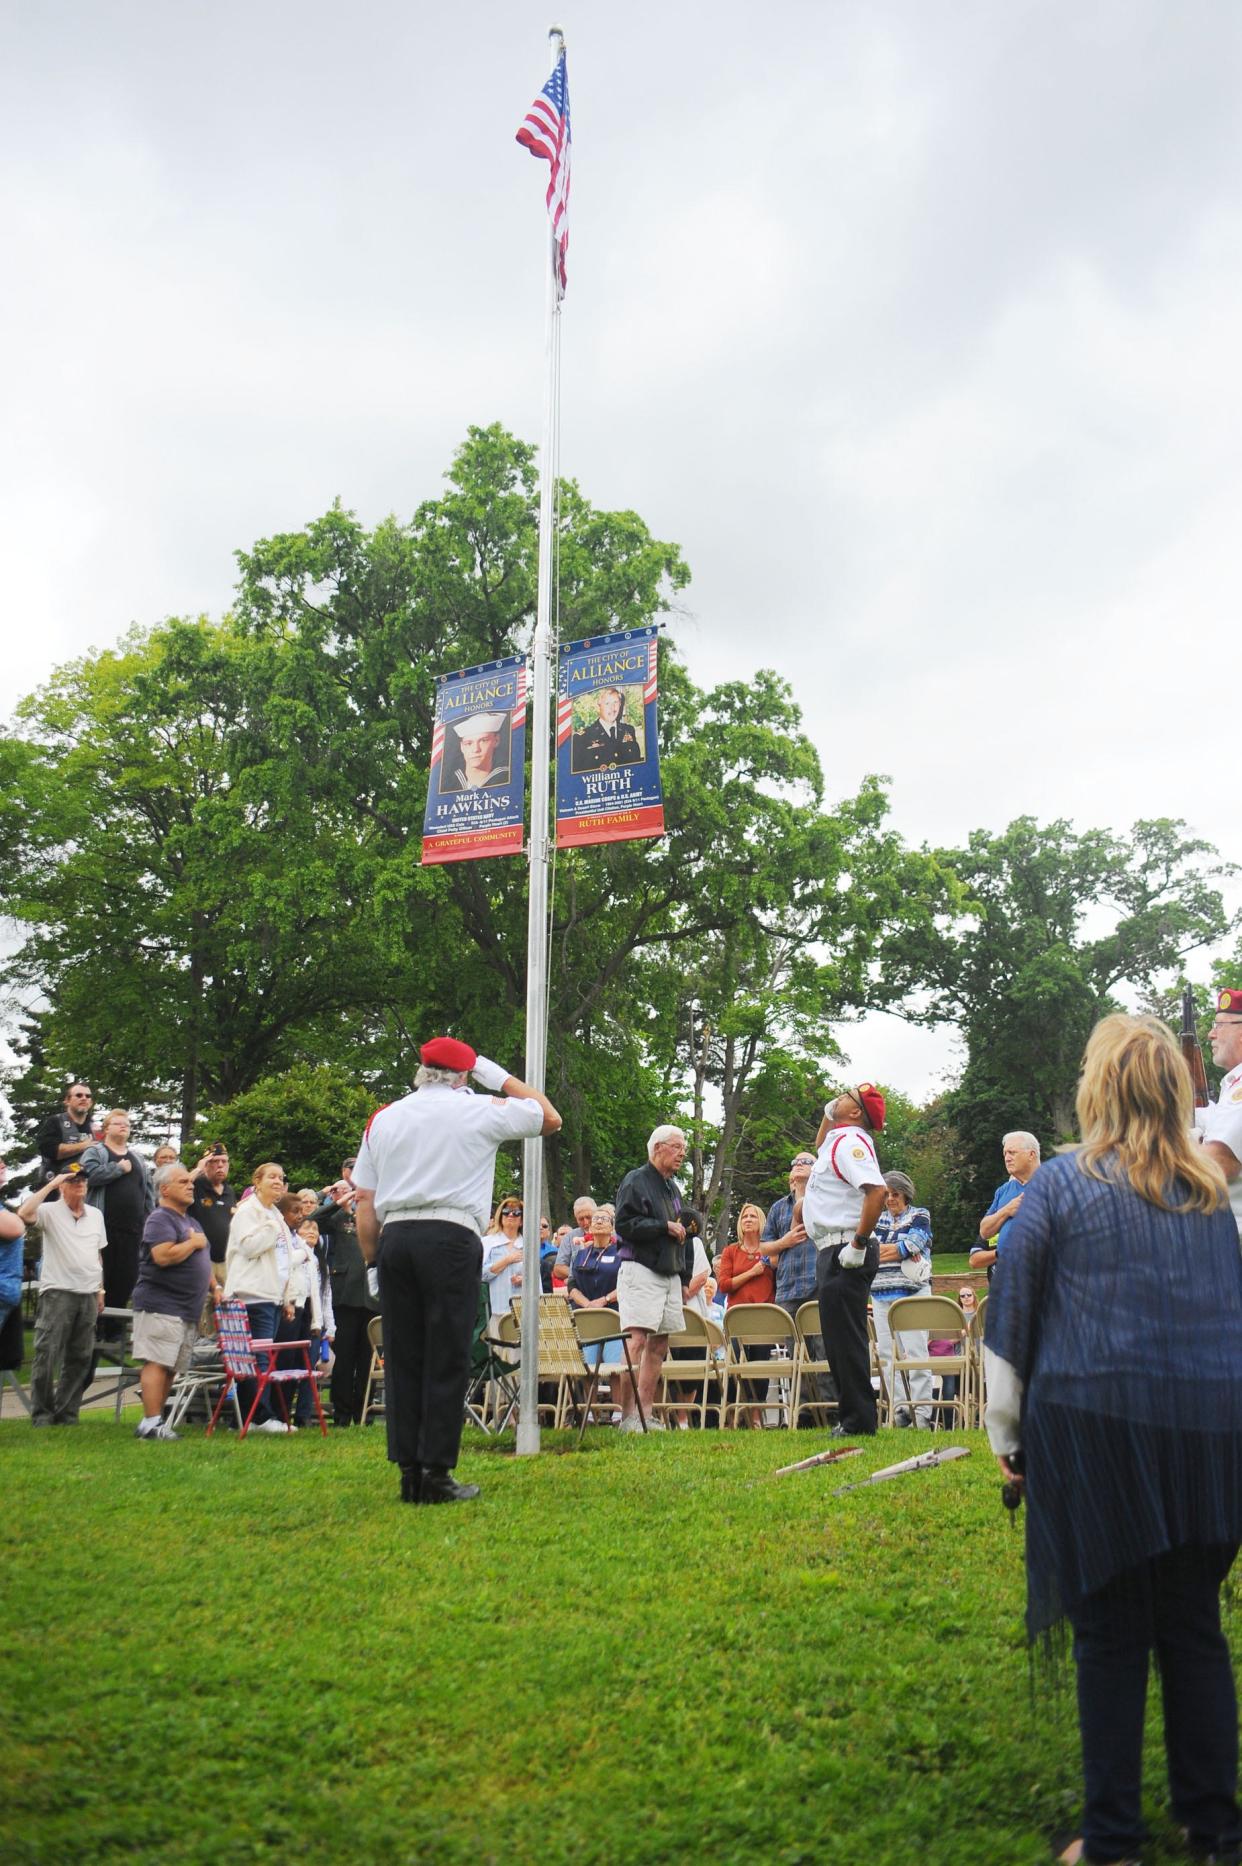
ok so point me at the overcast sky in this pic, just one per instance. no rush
(914, 324)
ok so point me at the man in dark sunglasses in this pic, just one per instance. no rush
(64, 1137)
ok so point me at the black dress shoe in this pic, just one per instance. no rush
(439, 1486)
(411, 1483)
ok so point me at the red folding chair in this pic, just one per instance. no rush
(240, 1354)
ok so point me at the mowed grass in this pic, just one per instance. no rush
(651, 1650)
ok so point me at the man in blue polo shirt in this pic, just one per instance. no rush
(1021, 1153)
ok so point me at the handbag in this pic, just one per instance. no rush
(917, 1270)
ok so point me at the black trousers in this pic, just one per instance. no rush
(350, 1365)
(1171, 1605)
(843, 1296)
(429, 1274)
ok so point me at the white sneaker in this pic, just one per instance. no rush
(271, 1425)
(656, 1425)
(158, 1430)
(630, 1423)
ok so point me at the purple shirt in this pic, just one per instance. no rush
(179, 1288)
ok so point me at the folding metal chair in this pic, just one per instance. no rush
(492, 1396)
(202, 1380)
(808, 1368)
(695, 1366)
(560, 1356)
(375, 1373)
(977, 1396)
(594, 1328)
(940, 1316)
(760, 1324)
(240, 1353)
(876, 1367)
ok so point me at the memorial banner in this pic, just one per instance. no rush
(607, 758)
(477, 790)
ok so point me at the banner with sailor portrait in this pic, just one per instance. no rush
(476, 796)
(607, 758)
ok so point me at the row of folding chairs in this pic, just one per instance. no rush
(759, 1359)
(762, 1359)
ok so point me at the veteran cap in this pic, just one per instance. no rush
(477, 723)
(1230, 1002)
(448, 1053)
(871, 1102)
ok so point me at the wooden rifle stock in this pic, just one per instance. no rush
(1192, 1050)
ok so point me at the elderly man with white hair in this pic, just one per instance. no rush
(1021, 1154)
(424, 1178)
(657, 1259)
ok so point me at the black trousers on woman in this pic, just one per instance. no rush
(429, 1274)
(1170, 1606)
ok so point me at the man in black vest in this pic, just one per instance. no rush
(64, 1137)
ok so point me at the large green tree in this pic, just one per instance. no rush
(1063, 926)
(220, 878)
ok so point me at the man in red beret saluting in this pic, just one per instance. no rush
(424, 1178)
(1220, 1123)
(844, 1197)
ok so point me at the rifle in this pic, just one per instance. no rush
(925, 1463)
(821, 1457)
(1191, 1049)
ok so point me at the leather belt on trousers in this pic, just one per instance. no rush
(421, 1214)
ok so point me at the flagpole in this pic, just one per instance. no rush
(537, 849)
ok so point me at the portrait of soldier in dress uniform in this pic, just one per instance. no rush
(609, 740)
(476, 753)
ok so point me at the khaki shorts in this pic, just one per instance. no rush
(647, 1300)
(164, 1339)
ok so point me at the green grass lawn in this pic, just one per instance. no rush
(652, 1650)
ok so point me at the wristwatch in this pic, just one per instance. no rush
(861, 1242)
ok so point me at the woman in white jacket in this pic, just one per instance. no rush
(257, 1268)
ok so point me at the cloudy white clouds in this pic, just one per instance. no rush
(913, 324)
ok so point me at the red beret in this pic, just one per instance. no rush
(448, 1053)
(872, 1102)
(1230, 1001)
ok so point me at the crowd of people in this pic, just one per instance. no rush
(117, 1236)
(1113, 1347)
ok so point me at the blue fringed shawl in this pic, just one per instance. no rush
(1125, 1324)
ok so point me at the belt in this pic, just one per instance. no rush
(450, 1214)
(842, 1234)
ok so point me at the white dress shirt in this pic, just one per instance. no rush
(833, 1199)
(437, 1147)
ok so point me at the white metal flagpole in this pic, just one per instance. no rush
(537, 848)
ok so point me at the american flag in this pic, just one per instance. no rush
(545, 132)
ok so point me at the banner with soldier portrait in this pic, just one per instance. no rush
(607, 758)
(476, 794)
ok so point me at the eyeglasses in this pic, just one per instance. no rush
(511, 1211)
(1220, 1023)
(803, 1159)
